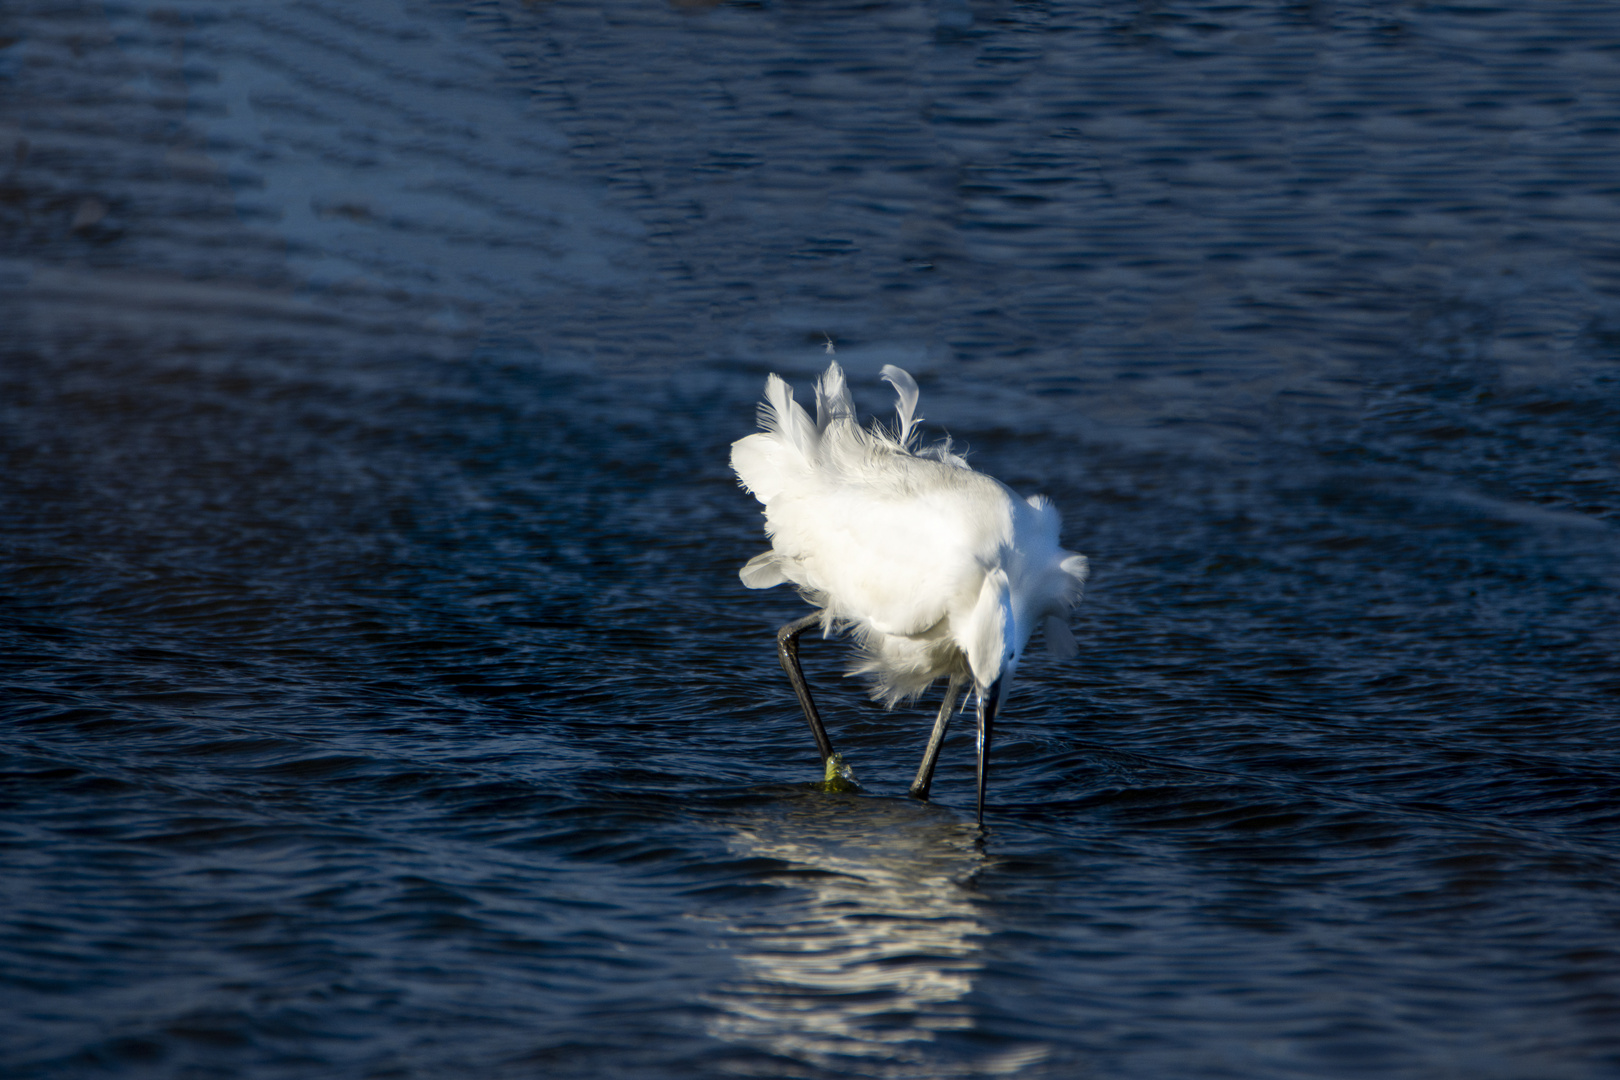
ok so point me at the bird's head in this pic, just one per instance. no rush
(993, 640)
(1011, 606)
(1005, 614)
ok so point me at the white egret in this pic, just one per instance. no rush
(936, 570)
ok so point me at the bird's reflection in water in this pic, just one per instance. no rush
(863, 959)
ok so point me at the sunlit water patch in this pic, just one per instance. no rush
(871, 947)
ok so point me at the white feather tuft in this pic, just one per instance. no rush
(832, 397)
(778, 458)
(783, 416)
(906, 387)
(762, 571)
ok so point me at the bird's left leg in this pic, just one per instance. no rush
(787, 651)
(925, 771)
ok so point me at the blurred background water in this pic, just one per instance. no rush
(379, 697)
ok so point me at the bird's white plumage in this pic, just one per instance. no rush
(936, 568)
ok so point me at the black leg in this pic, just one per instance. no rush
(925, 771)
(787, 651)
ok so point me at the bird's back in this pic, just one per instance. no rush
(883, 537)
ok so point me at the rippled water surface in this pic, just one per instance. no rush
(379, 697)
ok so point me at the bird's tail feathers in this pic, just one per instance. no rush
(792, 446)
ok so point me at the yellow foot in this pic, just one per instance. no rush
(839, 776)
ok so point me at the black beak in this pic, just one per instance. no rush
(989, 702)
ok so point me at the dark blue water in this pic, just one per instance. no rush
(377, 694)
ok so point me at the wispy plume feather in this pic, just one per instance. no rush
(906, 387)
(832, 397)
(781, 414)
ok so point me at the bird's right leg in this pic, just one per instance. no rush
(787, 651)
(925, 771)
